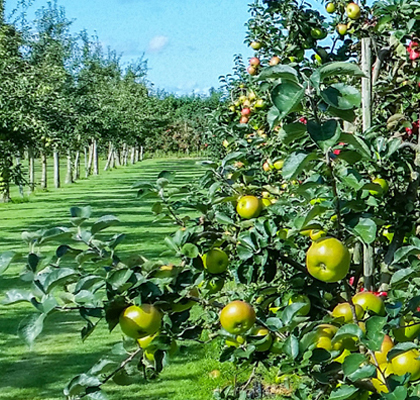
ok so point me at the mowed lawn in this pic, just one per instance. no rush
(59, 354)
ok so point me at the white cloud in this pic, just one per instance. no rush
(158, 43)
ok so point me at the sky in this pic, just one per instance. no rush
(188, 44)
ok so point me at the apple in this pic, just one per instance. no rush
(274, 61)
(384, 187)
(330, 7)
(369, 302)
(278, 164)
(261, 332)
(318, 33)
(140, 321)
(344, 313)
(244, 120)
(353, 11)
(408, 330)
(381, 355)
(237, 317)
(328, 260)
(251, 95)
(260, 103)
(301, 298)
(252, 70)
(341, 29)
(245, 112)
(249, 207)
(256, 45)
(407, 363)
(254, 62)
(266, 167)
(216, 261)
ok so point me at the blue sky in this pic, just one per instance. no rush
(188, 43)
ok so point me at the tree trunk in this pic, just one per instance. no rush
(90, 160)
(132, 155)
(44, 182)
(141, 153)
(31, 168)
(19, 166)
(117, 157)
(86, 161)
(95, 157)
(57, 182)
(76, 167)
(125, 157)
(69, 174)
(109, 158)
(5, 166)
(137, 155)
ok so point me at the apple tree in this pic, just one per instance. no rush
(302, 247)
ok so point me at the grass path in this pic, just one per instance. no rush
(43, 371)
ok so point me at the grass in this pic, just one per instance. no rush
(59, 354)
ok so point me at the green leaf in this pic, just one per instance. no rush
(119, 280)
(291, 346)
(222, 218)
(16, 296)
(30, 328)
(102, 223)
(296, 163)
(343, 392)
(340, 69)
(56, 277)
(325, 135)
(78, 385)
(33, 261)
(357, 143)
(291, 132)
(401, 274)
(403, 253)
(346, 115)
(168, 175)
(286, 96)
(356, 367)
(80, 214)
(366, 229)
(273, 117)
(55, 235)
(6, 259)
(190, 250)
(400, 393)
(349, 156)
(348, 331)
(400, 348)
(341, 96)
(285, 72)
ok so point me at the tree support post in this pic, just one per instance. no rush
(366, 43)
